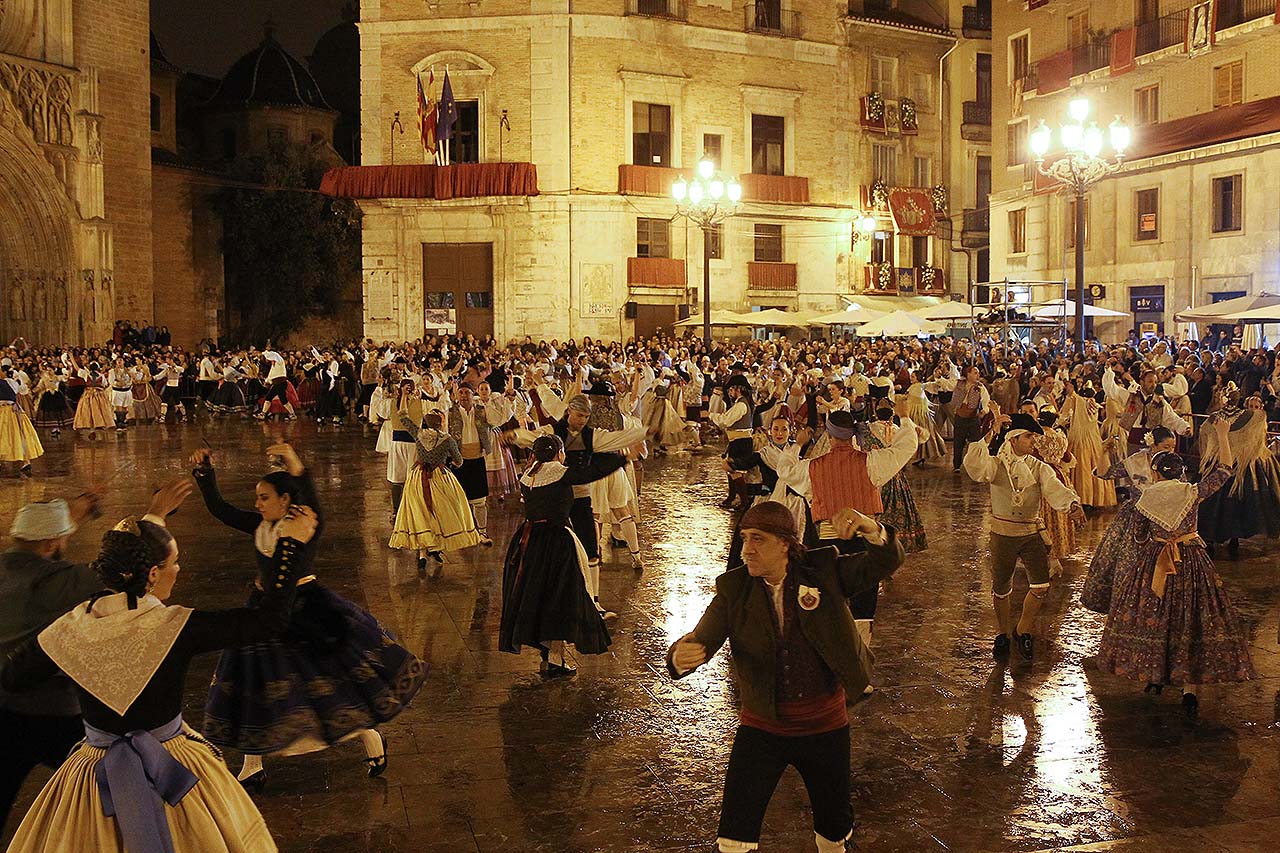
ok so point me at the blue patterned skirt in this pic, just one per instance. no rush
(334, 672)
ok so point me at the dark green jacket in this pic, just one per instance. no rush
(739, 613)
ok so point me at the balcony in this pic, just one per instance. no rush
(1162, 32)
(886, 279)
(776, 189)
(880, 278)
(656, 272)
(771, 20)
(976, 233)
(461, 180)
(976, 21)
(1090, 57)
(1233, 13)
(647, 180)
(976, 126)
(764, 275)
(674, 10)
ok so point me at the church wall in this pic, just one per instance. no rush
(188, 270)
(112, 37)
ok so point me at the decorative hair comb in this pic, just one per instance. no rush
(129, 524)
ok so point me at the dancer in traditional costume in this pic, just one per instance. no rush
(469, 426)
(145, 404)
(1051, 448)
(229, 398)
(547, 600)
(120, 379)
(93, 412)
(433, 516)
(280, 390)
(1249, 505)
(1079, 417)
(614, 501)
(921, 412)
(1171, 621)
(53, 410)
(335, 674)
(737, 421)
(1142, 408)
(142, 780)
(898, 506)
(19, 442)
(499, 465)
(1018, 482)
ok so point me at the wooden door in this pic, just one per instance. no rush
(458, 278)
(651, 318)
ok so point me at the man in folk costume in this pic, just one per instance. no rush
(798, 657)
(1142, 407)
(846, 477)
(470, 428)
(737, 421)
(1018, 482)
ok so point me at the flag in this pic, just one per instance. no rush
(447, 113)
(427, 115)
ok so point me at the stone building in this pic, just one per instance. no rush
(810, 103)
(967, 154)
(1191, 218)
(75, 174)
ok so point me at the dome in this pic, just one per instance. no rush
(268, 75)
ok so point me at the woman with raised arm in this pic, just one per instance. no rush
(142, 780)
(334, 674)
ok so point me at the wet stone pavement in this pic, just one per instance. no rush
(952, 752)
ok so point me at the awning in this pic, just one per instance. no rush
(423, 180)
(1226, 124)
(912, 211)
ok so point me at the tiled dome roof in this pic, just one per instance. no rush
(269, 75)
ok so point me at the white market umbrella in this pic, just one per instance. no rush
(1225, 311)
(776, 317)
(719, 317)
(947, 311)
(1067, 308)
(900, 324)
(1266, 314)
(851, 317)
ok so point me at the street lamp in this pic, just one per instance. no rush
(864, 227)
(1082, 166)
(707, 200)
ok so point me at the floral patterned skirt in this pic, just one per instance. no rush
(1191, 635)
(1096, 594)
(900, 511)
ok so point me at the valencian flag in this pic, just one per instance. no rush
(447, 117)
(427, 115)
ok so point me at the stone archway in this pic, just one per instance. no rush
(38, 288)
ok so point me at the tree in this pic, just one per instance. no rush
(289, 252)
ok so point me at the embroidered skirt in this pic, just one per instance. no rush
(544, 592)
(334, 672)
(216, 816)
(146, 403)
(434, 513)
(94, 410)
(900, 512)
(229, 399)
(53, 410)
(1096, 595)
(18, 439)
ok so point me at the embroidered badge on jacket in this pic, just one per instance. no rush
(809, 597)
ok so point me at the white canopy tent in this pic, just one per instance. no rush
(1228, 310)
(719, 317)
(1067, 307)
(948, 311)
(778, 317)
(853, 316)
(900, 324)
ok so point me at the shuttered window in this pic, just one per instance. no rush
(1228, 84)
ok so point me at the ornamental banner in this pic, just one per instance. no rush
(912, 211)
(1200, 28)
(1124, 51)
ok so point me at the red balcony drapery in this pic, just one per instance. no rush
(779, 189)
(1053, 73)
(763, 275)
(656, 272)
(648, 180)
(424, 180)
(1124, 51)
(912, 212)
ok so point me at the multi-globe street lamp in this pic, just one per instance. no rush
(707, 200)
(1082, 165)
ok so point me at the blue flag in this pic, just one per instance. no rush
(447, 115)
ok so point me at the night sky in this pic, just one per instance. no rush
(206, 36)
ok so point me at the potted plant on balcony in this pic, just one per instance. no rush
(908, 118)
(879, 194)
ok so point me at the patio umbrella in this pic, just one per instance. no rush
(776, 317)
(1222, 312)
(947, 311)
(1264, 314)
(1067, 307)
(900, 324)
(719, 317)
(852, 317)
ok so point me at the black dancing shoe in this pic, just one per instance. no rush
(255, 784)
(558, 670)
(1026, 645)
(1190, 706)
(1000, 648)
(422, 567)
(378, 765)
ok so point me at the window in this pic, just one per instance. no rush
(1078, 29)
(884, 76)
(1146, 214)
(712, 148)
(715, 242)
(1069, 226)
(439, 300)
(768, 145)
(653, 238)
(1228, 84)
(982, 180)
(1018, 231)
(1017, 143)
(983, 83)
(479, 299)
(920, 251)
(650, 134)
(922, 89)
(156, 122)
(884, 164)
(768, 243)
(1146, 104)
(921, 172)
(1019, 57)
(882, 247)
(1226, 204)
(1148, 10)
(465, 146)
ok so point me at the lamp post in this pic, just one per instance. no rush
(707, 200)
(1082, 166)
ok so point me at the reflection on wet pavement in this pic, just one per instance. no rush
(952, 752)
